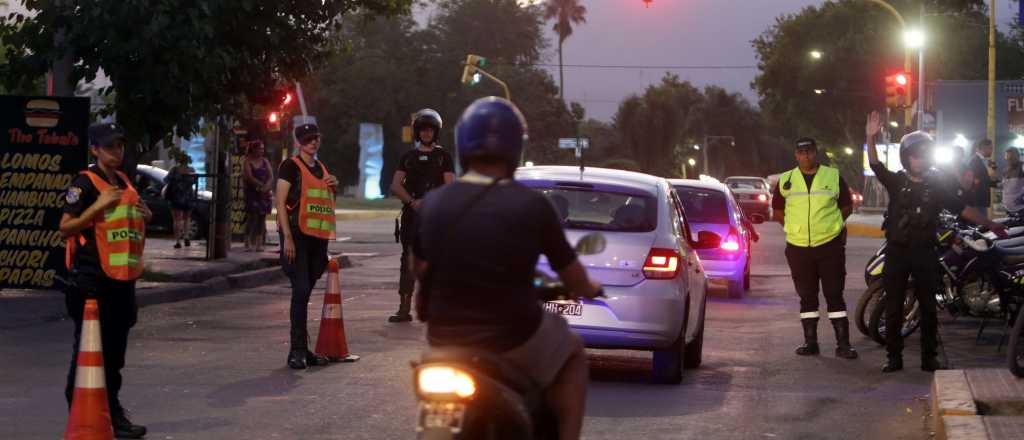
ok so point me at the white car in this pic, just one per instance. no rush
(652, 276)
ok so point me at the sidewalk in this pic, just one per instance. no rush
(865, 225)
(170, 275)
(977, 404)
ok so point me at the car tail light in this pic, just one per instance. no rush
(732, 241)
(661, 264)
(762, 198)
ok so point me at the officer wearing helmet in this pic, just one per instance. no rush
(916, 196)
(420, 171)
(475, 252)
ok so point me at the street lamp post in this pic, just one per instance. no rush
(906, 57)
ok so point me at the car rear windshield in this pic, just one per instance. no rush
(603, 211)
(746, 184)
(704, 205)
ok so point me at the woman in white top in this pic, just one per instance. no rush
(1013, 181)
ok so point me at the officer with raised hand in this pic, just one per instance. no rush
(916, 197)
(104, 223)
(420, 170)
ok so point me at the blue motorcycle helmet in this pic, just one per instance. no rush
(491, 128)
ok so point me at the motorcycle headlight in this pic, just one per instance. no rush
(445, 380)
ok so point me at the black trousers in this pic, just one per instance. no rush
(309, 265)
(406, 279)
(900, 263)
(823, 266)
(118, 313)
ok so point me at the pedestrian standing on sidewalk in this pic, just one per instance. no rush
(916, 197)
(979, 196)
(104, 265)
(306, 222)
(1013, 182)
(812, 201)
(258, 195)
(180, 191)
(420, 171)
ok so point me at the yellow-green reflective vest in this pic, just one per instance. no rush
(813, 217)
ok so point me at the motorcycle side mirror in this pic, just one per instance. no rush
(591, 244)
(708, 240)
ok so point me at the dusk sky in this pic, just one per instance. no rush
(668, 33)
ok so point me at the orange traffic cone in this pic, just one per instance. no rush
(90, 413)
(332, 343)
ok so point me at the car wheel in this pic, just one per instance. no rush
(695, 350)
(736, 289)
(746, 275)
(668, 363)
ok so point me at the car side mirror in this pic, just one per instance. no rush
(708, 240)
(591, 244)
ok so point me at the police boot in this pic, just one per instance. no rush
(843, 348)
(810, 347)
(313, 359)
(404, 308)
(297, 354)
(124, 428)
(893, 364)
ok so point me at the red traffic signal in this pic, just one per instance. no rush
(647, 3)
(274, 122)
(897, 90)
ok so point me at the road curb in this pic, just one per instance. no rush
(977, 404)
(365, 215)
(864, 230)
(218, 285)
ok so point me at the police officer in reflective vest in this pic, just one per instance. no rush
(420, 170)
(812, 202)
(104, 223)
(306, 222)
(916, 197)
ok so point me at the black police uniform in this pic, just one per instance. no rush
(118, 311)
(424, 171)
(910, 227)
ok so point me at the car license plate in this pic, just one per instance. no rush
(441, 415)
(564, 308)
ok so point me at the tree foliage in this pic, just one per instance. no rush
(174, 61)
(658, 129)
(394, 67)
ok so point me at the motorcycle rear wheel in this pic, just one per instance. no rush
(866, 304)
(911, 317)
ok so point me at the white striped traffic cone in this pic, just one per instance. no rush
(90, 412)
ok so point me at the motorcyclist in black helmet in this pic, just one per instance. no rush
(916, 196)
(420, 170)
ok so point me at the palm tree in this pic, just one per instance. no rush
(567, 13)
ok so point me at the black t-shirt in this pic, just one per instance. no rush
(482, 295)
(289, 171)
(845, 199)
(424, 171)
(79, 196)
(938, 191)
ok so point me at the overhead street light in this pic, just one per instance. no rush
(848, 151)
(914, 38)
(960, 140)
(819, 91)
(816, 54)
(692, 162)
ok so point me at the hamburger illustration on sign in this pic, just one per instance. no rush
(42, 113)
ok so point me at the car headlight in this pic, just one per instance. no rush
(445, 380)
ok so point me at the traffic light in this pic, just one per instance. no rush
(471, 74)
(897, 90)
(274, 122)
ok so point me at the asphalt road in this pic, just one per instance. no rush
(214, 368)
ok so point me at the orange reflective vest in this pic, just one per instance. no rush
(120, 233)
(316, 204)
